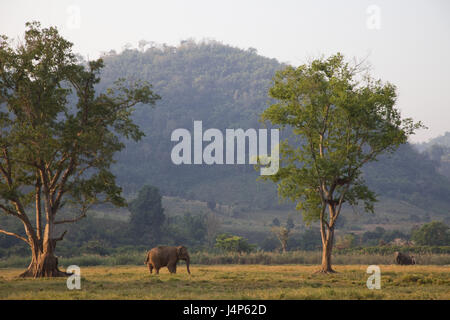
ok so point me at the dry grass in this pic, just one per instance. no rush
(235, 282)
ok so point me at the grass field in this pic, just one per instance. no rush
(235, 282)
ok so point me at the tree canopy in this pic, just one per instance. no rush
(147, 214)
(341, 119)
(58, 136)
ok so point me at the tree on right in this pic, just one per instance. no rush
(340, 118)
(435, 233)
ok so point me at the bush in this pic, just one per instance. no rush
(231, 243)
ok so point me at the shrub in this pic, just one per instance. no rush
(231, 243)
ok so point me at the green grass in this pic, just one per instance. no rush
(235, 282)
(261, 257)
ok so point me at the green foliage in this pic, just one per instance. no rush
(339, 123)
(195, 226)
(282, 234)
(226, 87)
(147, 215)
(435, 233)
(46, 130)
(189, 230)
(346, 241)
(231, 243)
(223, 86)
(58, 136)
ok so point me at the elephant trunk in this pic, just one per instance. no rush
(187, 264)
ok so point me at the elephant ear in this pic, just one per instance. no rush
(179, 250)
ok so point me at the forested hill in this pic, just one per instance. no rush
(443, 141)
(438, 150)
(226, 87)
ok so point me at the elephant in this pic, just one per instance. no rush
(404, 259)
(167, 256)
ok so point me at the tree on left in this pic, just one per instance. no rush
(58, 138)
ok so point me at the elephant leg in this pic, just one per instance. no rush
(157, 270)
(172, 268)
(150, 267)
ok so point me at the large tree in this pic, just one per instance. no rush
(340, 119)
(58, 138)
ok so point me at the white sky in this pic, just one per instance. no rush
(411, 47)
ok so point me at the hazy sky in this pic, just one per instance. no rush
(407, 42)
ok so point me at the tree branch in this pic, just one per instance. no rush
(6, 171)
(83, 215)
(62, 184)
(60, 237)
(322, 225)
(56, 176)
(14, 235)
(339, 206)
(8, 210)
(38, 207)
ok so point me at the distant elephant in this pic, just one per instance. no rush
(165, 256)
(404, 259)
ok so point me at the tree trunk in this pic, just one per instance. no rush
(43, 263)
(326, 256)
(327, 247)
(283, 246)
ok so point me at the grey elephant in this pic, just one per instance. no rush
(166, 256)
(404, 259)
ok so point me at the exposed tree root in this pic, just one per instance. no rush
(330, 271)
(53, 273)
(47, 267)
